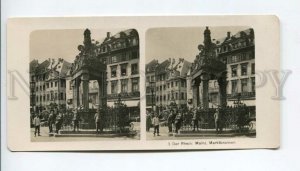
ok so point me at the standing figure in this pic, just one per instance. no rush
(155, 122)
(97, 121)
(170, 120)
(51, 121)
(178, 121)
(58, 122)
(37, 124)
(195, 120)
(76, 120)
(217, 120)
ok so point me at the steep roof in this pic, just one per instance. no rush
(151, 66)
(161, 68)
(119, 35)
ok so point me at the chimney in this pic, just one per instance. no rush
(228, 34)
(108, 34)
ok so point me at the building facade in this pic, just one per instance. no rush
(238, 53)
(168, 83)
(150, 85)
(48, 84)
(120, 53)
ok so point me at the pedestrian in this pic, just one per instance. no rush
(195, 120)
(76, 120)
(170, 120)
(97, 121)
(178, 121)
(37, 124)
(217, 120)
(58, 122)
(155, 122)
(51, 121)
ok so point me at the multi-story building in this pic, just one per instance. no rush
(48, 84)
(170, 84)
(150, 85)
(238, 53)
(120, 53)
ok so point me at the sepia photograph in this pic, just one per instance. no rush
(156, 83)
(84, 85)
(200, 83)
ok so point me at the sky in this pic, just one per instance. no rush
(161, 43)
(45, 44)
(165, 43)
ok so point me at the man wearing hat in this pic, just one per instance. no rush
(76, 120)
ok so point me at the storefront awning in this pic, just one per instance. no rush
(129, 103)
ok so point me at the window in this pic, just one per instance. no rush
(134, 55)
(123, 69)
(134, 41)
(48, 97)
(152, 78)
(182, 96)
(148, 79)
(62, 83)
(172, 84)
(244, 84)
(37, 88)
(164, 87)
(44, 87)
(47, 85)
(234, 86)
(253, 68)
(124, 84)
(114, 87)
(176, 96)
(253, 84)
(168, 96)
(61, 96)
(114, 59)
(164, 97)
(44, 98)
(244, 69)
(243, 57)
(123, 57)
(134, 69)
(70, 85)
(113, 71)
(55, 83)
(182, 83)
(233, 70)
(51, 84)
(37, 98)
(160, 88)
(55, 97)
(168, 85)
(135, 85)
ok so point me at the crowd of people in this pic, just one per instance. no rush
(198, 118)
(55, 119)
